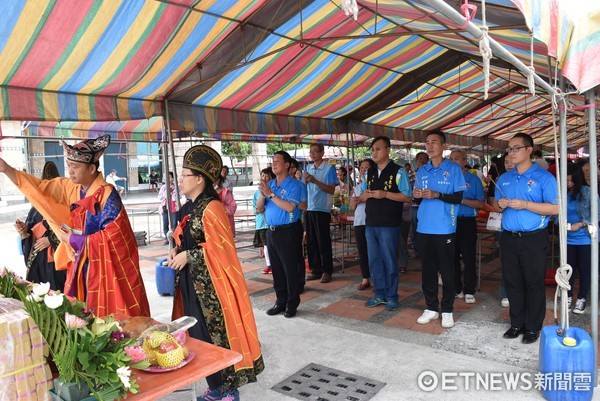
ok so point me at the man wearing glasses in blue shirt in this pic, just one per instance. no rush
(527, 195)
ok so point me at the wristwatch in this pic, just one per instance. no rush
(271, 195)
(437, 195)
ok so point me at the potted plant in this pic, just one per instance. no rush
(88, 351)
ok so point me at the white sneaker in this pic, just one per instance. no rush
(579, 306)
(469, 299)
(569, 303)
(427, 316)
(504, 303)
(447, 320)
(460, 295)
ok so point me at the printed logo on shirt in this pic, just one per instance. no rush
(446, 175)
(387, 185)
(530, 185)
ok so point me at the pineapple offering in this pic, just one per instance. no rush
(164, 350)
(160, 345)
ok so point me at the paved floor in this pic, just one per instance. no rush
(334, 329)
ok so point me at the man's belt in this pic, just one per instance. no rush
(521, 234)
(282, 227)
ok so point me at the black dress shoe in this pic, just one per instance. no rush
(530, 336)
(290, 313)
(275, 310)
(513, 332)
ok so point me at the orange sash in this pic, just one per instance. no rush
(39, 230)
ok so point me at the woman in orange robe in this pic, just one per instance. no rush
(210, 284)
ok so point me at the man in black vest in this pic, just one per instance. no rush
(386, 187)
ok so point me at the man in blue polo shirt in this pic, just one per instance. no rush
(320, 179)
(440, 184)
(280, 199)
(527, 196)
(466, 231)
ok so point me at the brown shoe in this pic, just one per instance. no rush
(326, 278)
(313, 276)
(364, 286)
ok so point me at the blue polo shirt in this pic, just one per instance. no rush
(303, 192)
(535, 185)
(289, 190)
(436, 216)
(581, 236)
(474, 191)
(261, 222)
(318, 200)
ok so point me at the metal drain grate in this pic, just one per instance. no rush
(320, 383)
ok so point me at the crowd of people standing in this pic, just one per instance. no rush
(441, 200)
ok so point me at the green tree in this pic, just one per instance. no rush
(236, 150)
(273, 147)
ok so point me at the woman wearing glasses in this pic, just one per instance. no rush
(210, 283)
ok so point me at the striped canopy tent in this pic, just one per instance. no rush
(271, 69)
(571, 30)
(134, 130)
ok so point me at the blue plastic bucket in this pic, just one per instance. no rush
(165, 278)
(567, 373)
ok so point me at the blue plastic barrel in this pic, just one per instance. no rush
(165, 278)
(567, 372)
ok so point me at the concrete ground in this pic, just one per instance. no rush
(334, 329)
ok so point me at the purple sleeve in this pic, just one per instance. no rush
(77, 241)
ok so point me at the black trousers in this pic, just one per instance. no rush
(199, 331)
(580, 259)
(524, 268)
(318, 241)
(466, 247)
(363, 254)
(437, 255)
(301, 265)
(283, 252)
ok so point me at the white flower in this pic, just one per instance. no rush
(33, 297)
(40, 290)
(124, 372)
(53, 301)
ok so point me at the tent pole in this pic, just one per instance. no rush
(165, 160)
(353, 162)
(590, 99)
(497, 48)
(165, 148)
(172, 154)
(169, 135)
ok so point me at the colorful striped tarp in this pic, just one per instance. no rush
(275, 69)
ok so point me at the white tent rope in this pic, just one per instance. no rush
(530, 77)
(563, 272)
(486, 52)
(350, 8)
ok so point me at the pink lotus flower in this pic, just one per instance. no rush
(74, 322)
(136, 353)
